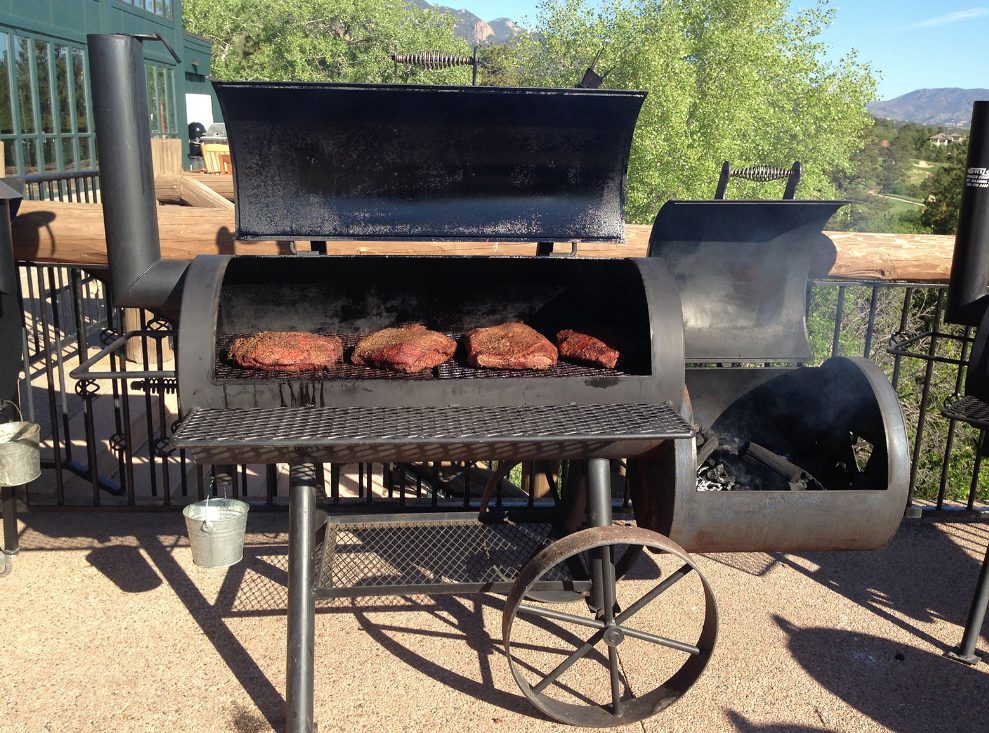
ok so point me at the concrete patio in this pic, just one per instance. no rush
(108, 626)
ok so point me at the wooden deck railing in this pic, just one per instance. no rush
(46, 231)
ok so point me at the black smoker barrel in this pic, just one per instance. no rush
(792, 458)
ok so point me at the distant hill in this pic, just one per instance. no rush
(472, 28)
(951, 107)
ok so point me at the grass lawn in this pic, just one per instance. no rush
(921, 169)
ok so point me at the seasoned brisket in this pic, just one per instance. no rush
(407, 349)
(509, 346)
(587, 349)
(286, 351)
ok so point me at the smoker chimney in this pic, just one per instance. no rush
(968, 296)
(138, 275)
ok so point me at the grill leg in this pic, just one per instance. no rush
(9, 548)
(976, 615)
(599, 515)
(301, 601)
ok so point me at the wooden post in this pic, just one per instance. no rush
(166, 156)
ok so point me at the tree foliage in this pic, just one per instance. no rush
(321, 40)
(944, 193)
(737, 80)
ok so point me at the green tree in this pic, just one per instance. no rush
(944, 193)
(322, 40)
(737, 80)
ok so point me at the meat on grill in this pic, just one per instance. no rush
(286, 351)
(406, 349)
(587, 349)
(509, 346)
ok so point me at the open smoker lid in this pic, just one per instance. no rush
(741, 268)
(355, 161)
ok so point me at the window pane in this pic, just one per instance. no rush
(43, 69)
(168, 9)
(50, 160)
(62, 89)
(86, 153)
(30, 152)
(167, 77)
(149, 5)
(68, 154)
(153, 99)
(9, 163)
(6, 117)
(79, 89)
(22, 64)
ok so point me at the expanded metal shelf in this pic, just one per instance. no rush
(428, 554)
(360, 434)
(969, 409)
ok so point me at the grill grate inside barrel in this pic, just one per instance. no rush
(455, 368)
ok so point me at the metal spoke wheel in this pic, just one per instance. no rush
(624, 669)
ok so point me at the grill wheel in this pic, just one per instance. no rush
(589, 678)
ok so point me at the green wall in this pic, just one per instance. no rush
(65, 24)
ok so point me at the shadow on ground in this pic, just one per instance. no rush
(886, 680)
(939, 586)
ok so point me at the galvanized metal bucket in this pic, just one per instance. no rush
(20, 450)
(216, 531)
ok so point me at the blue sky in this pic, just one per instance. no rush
(911, 44)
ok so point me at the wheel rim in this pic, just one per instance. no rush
(614, 704)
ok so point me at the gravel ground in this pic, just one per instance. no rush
(108, 626)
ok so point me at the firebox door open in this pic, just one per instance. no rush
(787, 457)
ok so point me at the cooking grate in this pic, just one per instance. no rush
(226, 370)
(418, 554)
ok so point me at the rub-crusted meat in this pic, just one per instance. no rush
(407, 349)
(286, 351)
(587, 349)
(509, 346)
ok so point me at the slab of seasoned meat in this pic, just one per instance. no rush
(587, 349)
(509, 346)
(407, 349)
(286, 351)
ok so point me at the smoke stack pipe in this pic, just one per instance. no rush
(968, 296)
(138, 275)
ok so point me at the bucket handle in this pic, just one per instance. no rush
(3, 406)
(207, 525)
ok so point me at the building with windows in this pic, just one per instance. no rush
(46, 118)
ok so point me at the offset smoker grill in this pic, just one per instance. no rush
(316, 162)
(382, 162)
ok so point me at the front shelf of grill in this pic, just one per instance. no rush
(409, 434)
(428, 554)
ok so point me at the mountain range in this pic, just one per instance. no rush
(950, 106)
(473, 29)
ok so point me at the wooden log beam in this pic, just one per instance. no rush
(46, 231)
(182, 189)
(222, 183)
